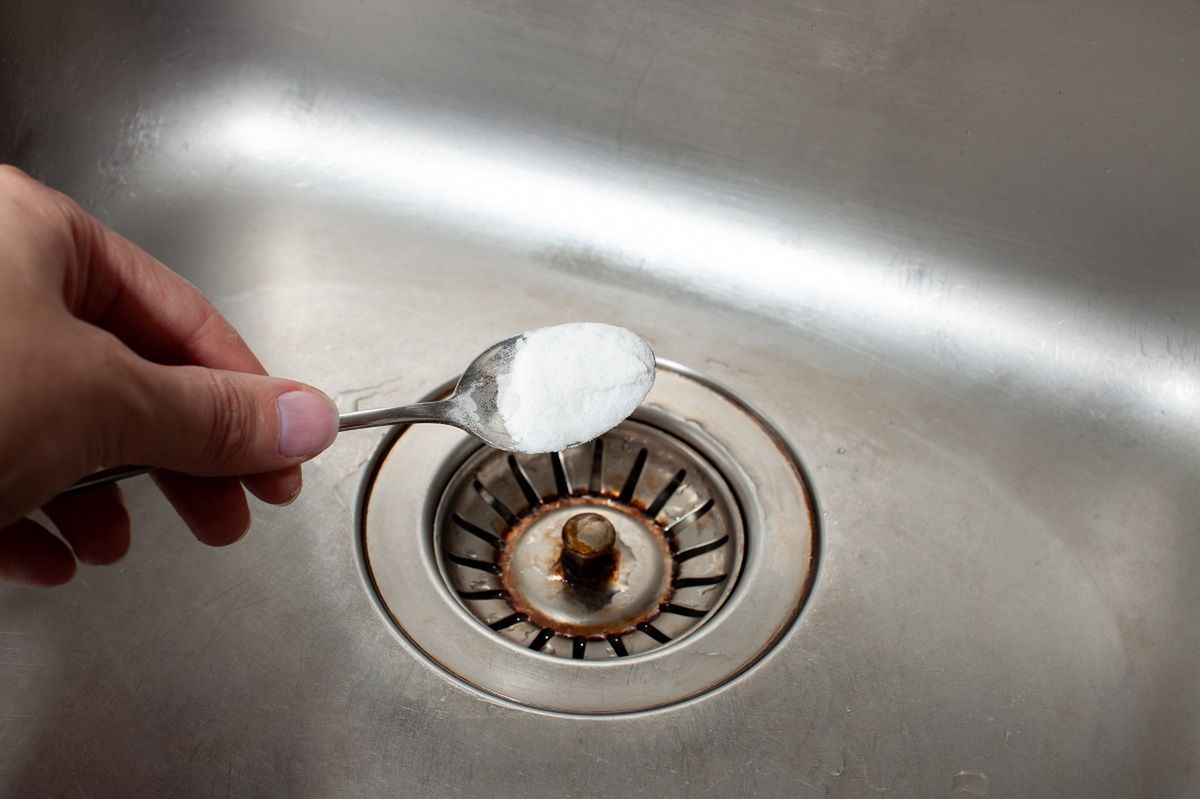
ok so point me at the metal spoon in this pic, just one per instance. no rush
(472, 407)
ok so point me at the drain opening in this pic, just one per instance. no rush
(608, 550)
(689, 543)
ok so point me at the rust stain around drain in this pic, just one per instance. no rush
(596, 594)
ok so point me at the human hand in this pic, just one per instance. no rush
(108, 358)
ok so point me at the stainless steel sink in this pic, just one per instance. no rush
(949, 252)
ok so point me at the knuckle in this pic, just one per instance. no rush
(231, 418)
(10, 174)
(48, 223)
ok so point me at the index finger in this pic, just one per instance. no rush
(157, 313)
(112, 283)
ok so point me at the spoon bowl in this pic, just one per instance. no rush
(472, 406)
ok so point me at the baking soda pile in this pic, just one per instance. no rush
(571, 383)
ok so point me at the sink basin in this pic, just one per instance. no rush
(947, 251)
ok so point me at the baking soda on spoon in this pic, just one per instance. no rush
(568, 384)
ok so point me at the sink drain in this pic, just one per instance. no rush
(638, 570)
(672, 553)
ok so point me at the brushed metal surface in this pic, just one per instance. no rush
(950, 249)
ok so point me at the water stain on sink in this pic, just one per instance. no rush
(971, 783)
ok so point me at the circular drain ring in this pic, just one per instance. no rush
(396, 517)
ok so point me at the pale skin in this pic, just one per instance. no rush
(107, 358)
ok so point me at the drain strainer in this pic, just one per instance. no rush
(672, 552)
(632, 572)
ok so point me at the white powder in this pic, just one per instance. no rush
(571, 383)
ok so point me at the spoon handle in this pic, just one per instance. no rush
(437, 412)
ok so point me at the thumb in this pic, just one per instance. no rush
(214, 422)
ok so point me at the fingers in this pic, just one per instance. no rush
(198, 400)
(213, 422)
(275, 488)
(157, 313)
(214, 508)
(31, 555)
(94, 522)
(114, 284)
(166, 319)
(96, 525)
